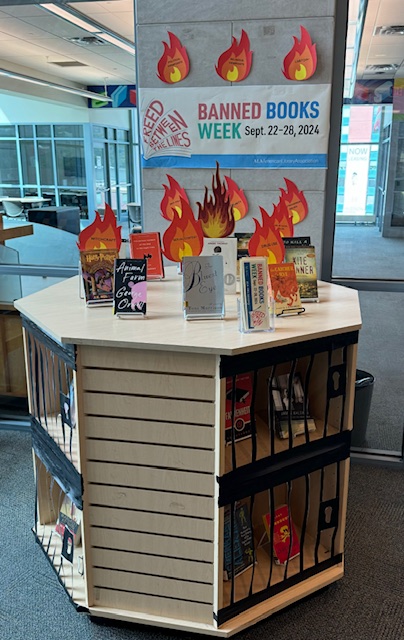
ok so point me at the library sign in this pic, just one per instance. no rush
(277, 127)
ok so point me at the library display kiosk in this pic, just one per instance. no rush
(128, 423)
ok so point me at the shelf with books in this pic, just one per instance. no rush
(310, 507)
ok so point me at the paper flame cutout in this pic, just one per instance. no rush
(173, 65)
(295, 201)
(102, 233)
(173, 194)
(234, 64)
(184, 236)
(266, 240)
(237, 199)
(216, 213)
(301, 61)
(282, 220)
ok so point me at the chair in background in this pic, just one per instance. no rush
(13, 209)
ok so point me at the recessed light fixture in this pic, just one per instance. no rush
(80, 20)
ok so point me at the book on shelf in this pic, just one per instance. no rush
(297, 241)
(203, 286)
(97, 267)
(289, 404)
(227, 247)
(255, 313)
(240, 555)
(69, 517)
(130, 291)
(242, 240)
(285, 546)
(242, 407)
(304, 259)
(284, 288)
(148, 246)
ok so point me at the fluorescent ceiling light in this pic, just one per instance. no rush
(52, 85)
(80, 20)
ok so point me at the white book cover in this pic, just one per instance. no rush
(226, 247)
(203, 286)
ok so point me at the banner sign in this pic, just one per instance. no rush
(277, 127)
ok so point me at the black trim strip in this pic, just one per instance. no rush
(55, 461)
(227, 613)
(232, 365)
(282, 467)
(65, 351)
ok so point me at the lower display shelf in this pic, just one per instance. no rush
(71, 575)
(265, 573)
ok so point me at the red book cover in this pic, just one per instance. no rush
(148, 245)
(242, 407)
(283, 549)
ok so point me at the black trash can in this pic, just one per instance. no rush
(363, 397)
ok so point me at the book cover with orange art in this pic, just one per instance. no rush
(284, 288)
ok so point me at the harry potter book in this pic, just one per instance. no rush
(97, 268)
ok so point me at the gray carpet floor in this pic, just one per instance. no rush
(367, 604)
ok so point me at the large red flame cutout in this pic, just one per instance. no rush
(184, 236)
(216, 213)
(171, 202)
(102, 233)
(234, 64)
(295, 201)
(173, 65)
(282, 220)
(301, 61)
(237, 199)
(266, 240)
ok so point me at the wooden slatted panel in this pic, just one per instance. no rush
(143, 521)
(153, 565)
(149, 408)
(171, 386)
(149, 542)
(149, 477)
(161, 433)
(144, 499)
(153, 605)
(151, 455)
(148, 360)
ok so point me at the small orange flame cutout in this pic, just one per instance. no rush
(216, 213)
(173, 65)
(234, 64)
(173, 194)
(102, 233)
(266, 240)
(301, 61)
(282, 220)
(295, 201)
(184, 236)
(237, 199)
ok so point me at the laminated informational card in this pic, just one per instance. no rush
(203, 287)
(255, 311)
(227, 247)
(130, 291)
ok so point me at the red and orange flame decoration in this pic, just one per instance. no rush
(173, 65)
(184, 236)
(237, 199)
(171, 202)
(216, 214)
(102, 233)
(282, 220)
(266, 240)
(234, 64)
(295, 201)
(301, 61)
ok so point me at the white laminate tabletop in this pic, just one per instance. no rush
(62, 314)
